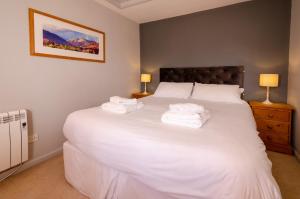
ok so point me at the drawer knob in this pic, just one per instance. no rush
(269, 138)
(270, 116)
(269, 127)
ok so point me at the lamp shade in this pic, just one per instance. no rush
(145, 77)
(269, 80)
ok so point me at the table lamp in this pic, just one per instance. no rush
(268, 80)
(145, 78)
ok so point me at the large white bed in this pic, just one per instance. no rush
(136, 156)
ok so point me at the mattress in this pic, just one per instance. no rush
(223, 159)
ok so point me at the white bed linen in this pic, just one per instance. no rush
(223, 159)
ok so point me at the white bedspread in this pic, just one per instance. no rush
(223, 159)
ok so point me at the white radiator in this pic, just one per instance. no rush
(13, 139)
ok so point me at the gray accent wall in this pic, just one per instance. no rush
(53, 88)
(254, 34)
(294, 72)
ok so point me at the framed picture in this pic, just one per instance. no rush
(51, 36)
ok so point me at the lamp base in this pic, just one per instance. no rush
(267, 101)
(145, 89)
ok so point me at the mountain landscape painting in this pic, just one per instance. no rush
(66, 39)
(55, 37)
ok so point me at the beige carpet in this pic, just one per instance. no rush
(286, 170)
(46, 181)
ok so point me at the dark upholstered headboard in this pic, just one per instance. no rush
(205, 75)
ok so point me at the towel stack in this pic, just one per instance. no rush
(121, 105)
(188, 114)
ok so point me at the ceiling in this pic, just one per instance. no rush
(142, 11)
(121, 4)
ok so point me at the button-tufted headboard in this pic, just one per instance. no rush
(206, 75)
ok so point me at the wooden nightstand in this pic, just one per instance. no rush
(140, 95)
(274, 125)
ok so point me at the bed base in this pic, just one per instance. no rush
(98, 181)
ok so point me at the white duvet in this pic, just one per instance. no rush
(223, 159)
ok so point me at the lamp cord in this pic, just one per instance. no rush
(11, 173)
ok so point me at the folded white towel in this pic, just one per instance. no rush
(170, 117)
(180, 115)
(122, 100)
(187, 107)
(121, 108)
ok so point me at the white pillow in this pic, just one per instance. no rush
(173, 89)
(217, 93)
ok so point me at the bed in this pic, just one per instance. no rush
(136, 156)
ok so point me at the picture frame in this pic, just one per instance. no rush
(55, 37)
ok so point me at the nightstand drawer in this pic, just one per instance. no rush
(274, 126)
(276, 115)
(270, 137)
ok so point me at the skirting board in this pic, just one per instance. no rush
(297, 154)
(40, 159)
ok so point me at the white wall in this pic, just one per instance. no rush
(53, 88)
(294, 70)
